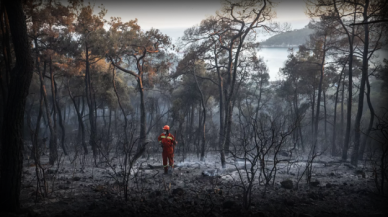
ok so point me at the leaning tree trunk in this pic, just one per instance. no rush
(228, 126)
(13, 122)
(143, 119)
(236, 40)
(122, 110)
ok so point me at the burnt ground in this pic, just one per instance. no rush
(199, 189)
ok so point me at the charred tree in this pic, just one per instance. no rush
(322, 70)
(334, 137)
(350, 36)
(80, 122)
(53, 143)
(371, 121)
(13, 122)
(357, 122)
(122, 109)
(203, 131)
(60, 119)
(90, 103)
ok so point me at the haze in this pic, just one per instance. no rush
(172, 17)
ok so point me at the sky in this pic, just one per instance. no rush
(172, 17)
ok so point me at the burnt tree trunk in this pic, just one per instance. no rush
(139, 78)
(6, 47)
(357, 124)
(313, 112)
(143, 119)
(203, 131)
(315, 134)
(350, 94)
(60, 120)
(64, 112)
(53, 142)
(79, 116)
(191, 133)
(342, 109)
(13, 120)
(53, 98)
(334, 137)
(325, 115)
(371, 120)
(122, 110)
(109, 125)
(221, 106)
(197, 139)
(89, 100)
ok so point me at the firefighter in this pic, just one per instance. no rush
(167, 142)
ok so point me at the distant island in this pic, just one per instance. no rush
(292, 38)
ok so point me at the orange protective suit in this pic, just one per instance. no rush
(167, 142)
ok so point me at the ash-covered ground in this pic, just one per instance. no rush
(79, 187)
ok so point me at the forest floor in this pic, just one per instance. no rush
(79, 188)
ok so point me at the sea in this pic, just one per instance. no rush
(275, 58)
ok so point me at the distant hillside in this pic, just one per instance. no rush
(288, 39)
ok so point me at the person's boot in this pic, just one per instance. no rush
(166, 170)
(170, 170)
